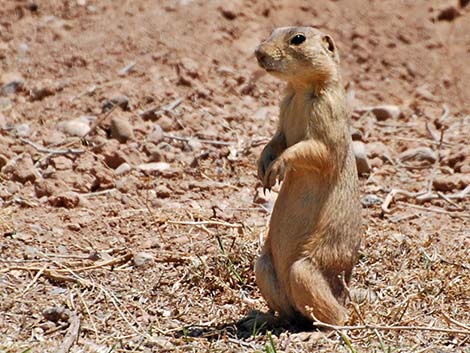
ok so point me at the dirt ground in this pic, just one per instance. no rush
(129, 202)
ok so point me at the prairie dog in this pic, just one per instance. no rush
(314, 230)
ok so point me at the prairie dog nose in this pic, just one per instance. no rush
(261, 55)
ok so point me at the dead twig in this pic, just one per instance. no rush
(126, 69)
(43, 149)
(204, 223)
(186, 139)
(72, 332)
(424, 197)
(156, 111)
(99, 120)
(338, 328)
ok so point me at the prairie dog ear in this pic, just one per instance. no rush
(329, 43)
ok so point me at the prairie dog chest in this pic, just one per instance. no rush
(294, 117)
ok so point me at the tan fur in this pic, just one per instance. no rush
(314, 230)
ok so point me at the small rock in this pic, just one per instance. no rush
(194, 145)
(153, 167)
(455, 181)
(32, 6)
(378, 150)
(12, 187)
(163, 191)
(23, 130)
(5, 103)
(119, 100)
(262, 113)
(465, 169)
(385, 112)
(76, 127)
(103, 179)
(48, 187)
(448, 14)
(156, 135)
(419, 153)
(68, 199)
(22, 170)
(228, 12)
(142, 258)
(166, 123)
(31, 252)
(376, 162)
(114, 159)
(122, 169)
(121, 129)
(424, 93)
(370, 200)
(11, 82)
(76, 227)
(62, 163)
(362, 163)
(43, 90)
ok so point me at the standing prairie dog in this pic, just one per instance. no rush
(314, 231)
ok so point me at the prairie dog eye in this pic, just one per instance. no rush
(297, 39)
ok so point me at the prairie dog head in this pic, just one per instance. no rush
(299, 54)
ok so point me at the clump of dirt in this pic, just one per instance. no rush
(129, 135)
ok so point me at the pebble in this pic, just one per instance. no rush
(23, 130)
(62, 163)
(424, 93)
(68, 199)
(42, 91)
(376, 162)
(362, 163)
(122, 169)
(76, 127)
(121, 129)
(385, 112)
(228, 12)
(121, 101)
(465, 168)
(5, 103)
(419, 153)
(156, 135)
(448, 14)
(163, 191)
(22, 170)
(166, 123)
(11, 82)
(378, 150)
(370, 200)
(142, 258)
(114, 158)
(48, 187)
(12, 187)
(153, 167)
(455, 181)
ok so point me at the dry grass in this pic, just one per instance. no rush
(190, 298)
